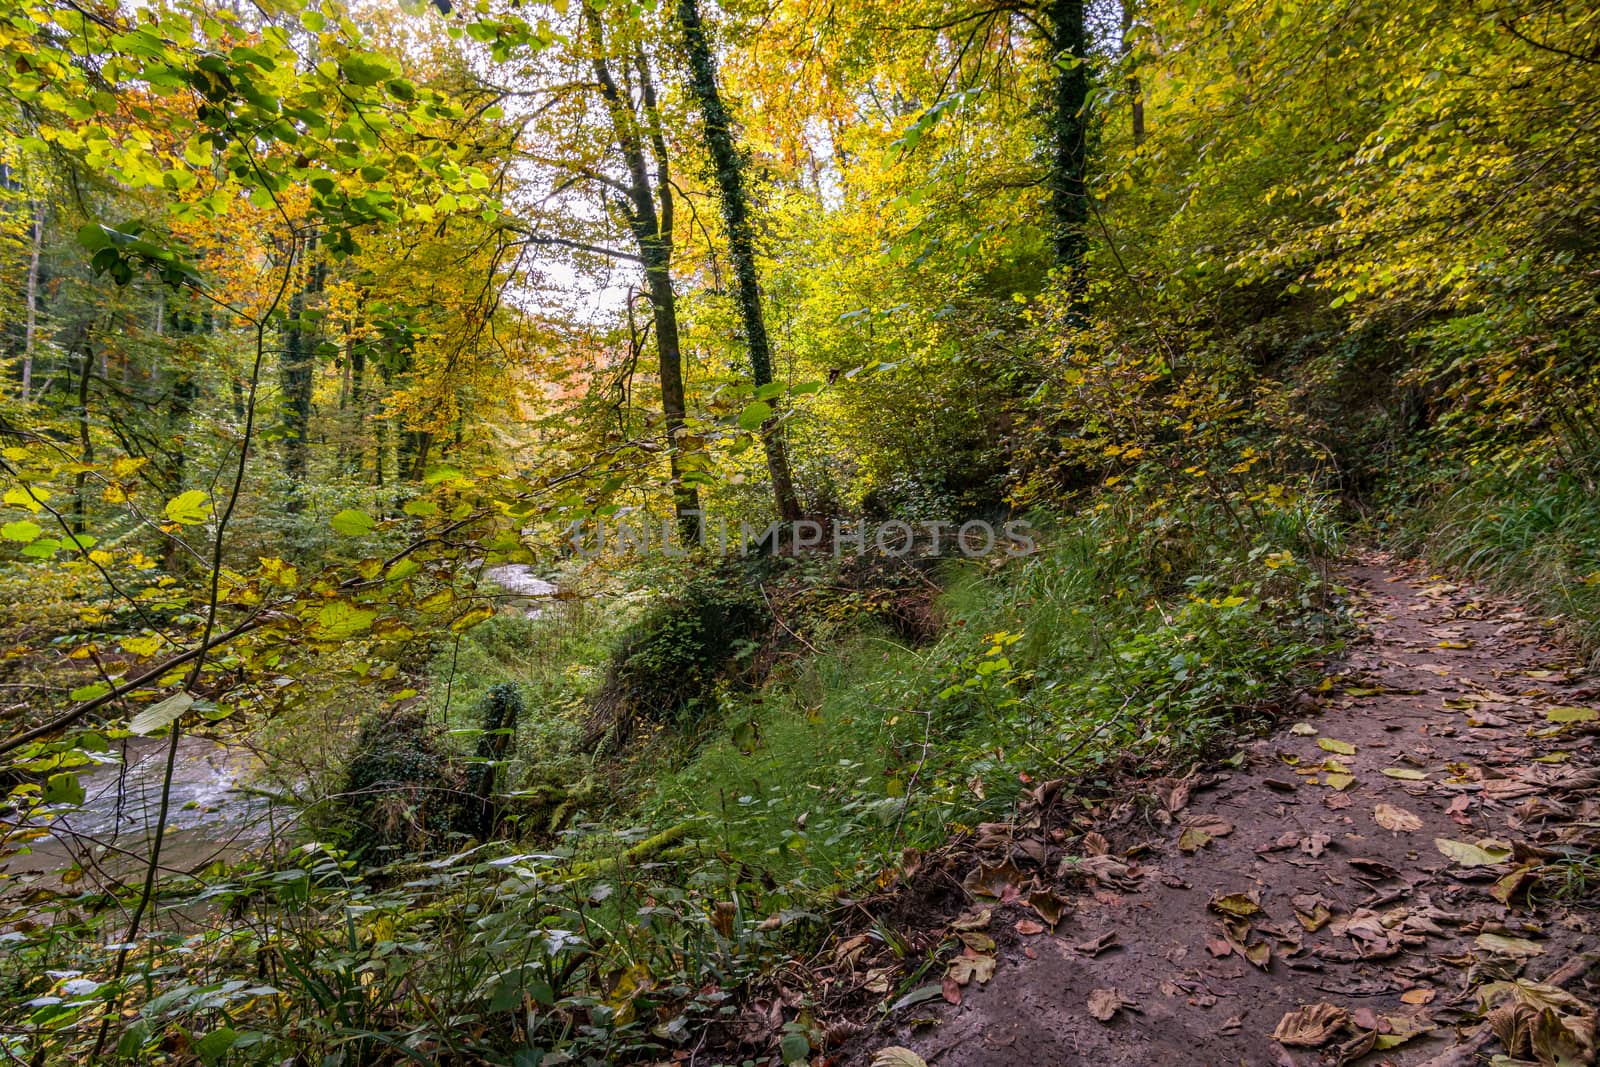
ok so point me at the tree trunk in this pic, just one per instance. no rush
(297, 378)
(652, 231)
(729, 166)
(1069, 202)
(1135, 90)
(31, 330)
(80, 506)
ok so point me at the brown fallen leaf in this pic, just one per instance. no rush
(1375, 868)
(1097, 945)
(1095, 844)
(1513, 883)
(951, 990)
(1105, 1003)
(1310, 1025)
(1419, 995)
(1048, 906)
(964, 969)
(1314, 844)
(1399, 820)
(1218, 947)
(973, 920)
(977, 940)
(1028, 928)
(1002, 882)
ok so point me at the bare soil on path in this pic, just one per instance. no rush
(1362, 885)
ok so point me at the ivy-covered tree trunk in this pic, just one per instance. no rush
(729, 166)
(297, 377)
(1069, 141)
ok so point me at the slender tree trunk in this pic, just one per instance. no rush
(297, 378)
(725, 158)
(31, 330)
(652, 231)
(80, 506)
(1135, 90)
(1069, 148)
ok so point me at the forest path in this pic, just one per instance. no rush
(1462, 719)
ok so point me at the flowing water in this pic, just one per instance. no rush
(210, 816)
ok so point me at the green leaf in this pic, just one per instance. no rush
(754, 415)
(190, 509)
(1343, 748)
(421, 508)
(62, 788)
(352, 523)
(159, 716)
(1565, 715)
(22, 530)
(341, 619)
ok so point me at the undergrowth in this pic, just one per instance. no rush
(643, 893)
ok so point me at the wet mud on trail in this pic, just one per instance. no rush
(1382, 880)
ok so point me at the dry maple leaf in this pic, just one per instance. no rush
(1396, 819)
(1310, 1025)
(1104, 1003)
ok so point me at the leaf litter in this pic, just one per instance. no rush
(1330, 922)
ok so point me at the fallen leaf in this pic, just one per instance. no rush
(1343, 748)
(1218, 947)
(1310, 1026)
(977, 940)
(1419, 995)
(1399, 820)
(1095, 844)
(1504, 945)
(1338, 780)
(1406, 774)
(896, 1056)
(1314, 844)
(1097, 945)
(964, 969)
(951, 990)
(1376, 868)
(1002, 882)
(1048, 906)
(973, 920)
(1485, 853)
(1193, 839)
(1303, 729)
(1243, 905)
(1509, 885)
(1104, 1003)
(1028, 928)
(1565, 715)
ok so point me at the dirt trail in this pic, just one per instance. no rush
(1453, 697)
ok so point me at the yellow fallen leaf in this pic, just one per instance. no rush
(1343, 748)
(1406, 774)
(1485, 853)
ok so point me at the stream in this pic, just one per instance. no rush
(211, 815)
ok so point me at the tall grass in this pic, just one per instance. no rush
(1536, 538)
